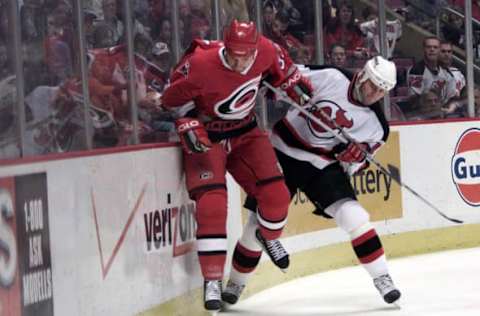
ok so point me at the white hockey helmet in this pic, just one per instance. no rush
(381, 72)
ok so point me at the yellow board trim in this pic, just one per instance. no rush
(329, 258)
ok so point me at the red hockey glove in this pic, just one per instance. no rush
(354, 152)
(298, 88)
(193, 136)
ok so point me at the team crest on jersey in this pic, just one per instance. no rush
(333, 112)
(240, 102)
(466, 166)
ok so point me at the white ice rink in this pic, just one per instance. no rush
(444, 283)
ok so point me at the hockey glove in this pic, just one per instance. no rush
(354, 153)
(298, 88)
(193, 136)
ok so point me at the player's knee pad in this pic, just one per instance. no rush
(273, 199)
(211, 214)
(350, 216)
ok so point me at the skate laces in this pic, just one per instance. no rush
(213, 290)
(275, 249)
(384, 283)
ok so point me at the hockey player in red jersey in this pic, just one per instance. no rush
(317, 163)
(213, 90)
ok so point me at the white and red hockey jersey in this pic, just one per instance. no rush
(421, 79)
(203, 80)
(299, 137)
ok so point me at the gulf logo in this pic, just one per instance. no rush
(466, 166)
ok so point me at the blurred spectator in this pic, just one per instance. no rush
(268, 12)
(143, 46)
(288, 7)
(94, 6)
(428, 75)
(162, 59)
(343, 30)
(109, 31)
(108, 91)
(58, 56)
(453, 30)
(58, 121)
(459, 107)
(338, 56)
(460, 4)
(370, 30)
(89, 18)
(165, 32)
(298, 52)
(445, 60)
(428, 107)
(200, 17)
(158, 11)
(4, 68)
(234, 9)
(32, 19)
(8, 140)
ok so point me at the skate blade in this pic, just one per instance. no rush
(215, 312)
(396, 305)
(284, 270)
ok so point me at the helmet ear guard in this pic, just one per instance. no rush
(381, 72)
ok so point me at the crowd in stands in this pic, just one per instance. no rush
(429, 89)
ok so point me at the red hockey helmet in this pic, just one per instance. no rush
(241, 38)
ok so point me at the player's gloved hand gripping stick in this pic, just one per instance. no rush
(193, 136)
(346, 139)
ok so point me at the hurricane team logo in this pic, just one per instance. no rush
(334, 113)
(466, 166)
(240, 102)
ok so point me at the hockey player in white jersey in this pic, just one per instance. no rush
(317, 163)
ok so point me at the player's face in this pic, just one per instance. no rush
(239, 63)
(370, 93)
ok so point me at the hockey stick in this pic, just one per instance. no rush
(345, 138)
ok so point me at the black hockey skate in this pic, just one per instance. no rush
(212, 291)
(232, 292)
(387, 289)
(275, 251)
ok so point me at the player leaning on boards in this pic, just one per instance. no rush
(213, 90)
(318, 164)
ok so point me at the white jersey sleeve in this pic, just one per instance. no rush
(303, 139)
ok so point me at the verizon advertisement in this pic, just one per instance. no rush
(26, 277)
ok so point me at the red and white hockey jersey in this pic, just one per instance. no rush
(421, 79)
(299, 137)
(203, 80)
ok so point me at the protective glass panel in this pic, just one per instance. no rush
(9, 141)
(154, 62)
(53, 96)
